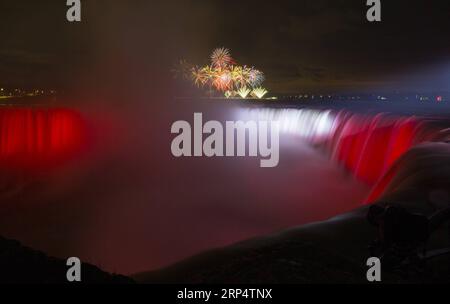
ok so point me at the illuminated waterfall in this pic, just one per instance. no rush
(365, 145)
(32, 138)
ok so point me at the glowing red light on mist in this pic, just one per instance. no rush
(368, 147)
(40, 138)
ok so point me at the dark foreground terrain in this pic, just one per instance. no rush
(330, 252)
(19, 264)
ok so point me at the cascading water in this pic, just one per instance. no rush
(39, 138)
(366, 145)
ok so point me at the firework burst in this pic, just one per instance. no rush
(221, 58)
(228, 94)
(240, 76)
(199, 77)
(223, 81)
(243, 92)
(255, 78)
(182, 70)
(259, 92)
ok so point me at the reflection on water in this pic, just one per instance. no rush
(40, 138)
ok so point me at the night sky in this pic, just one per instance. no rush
(299, 44)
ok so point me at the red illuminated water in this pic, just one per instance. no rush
(38, 138)
(369, 146)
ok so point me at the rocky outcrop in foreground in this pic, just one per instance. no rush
(19, 264)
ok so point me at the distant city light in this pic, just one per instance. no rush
(6, 93)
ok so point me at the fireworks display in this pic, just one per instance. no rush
(225, 76)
